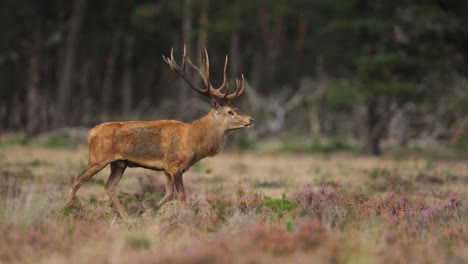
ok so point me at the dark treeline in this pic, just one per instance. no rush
(319, 68)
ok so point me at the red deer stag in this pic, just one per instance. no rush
(166, 145)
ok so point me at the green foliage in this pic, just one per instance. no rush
(331, 146)
(289, 223)
(71, 209)
(199, 167)
(363, 25)
(429, 164)
(138, 241)
(97, 181)
(93, 200)
(318, 146)
(391, 53)
(17, 140)
(246, 143)
(50, 142)
(35, 163)
(143, 16)
(57, 142)
(280, 206)
(459, 145)
(341, 96)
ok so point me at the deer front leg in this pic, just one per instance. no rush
(117, 170)
(179, 186)
(169, 191)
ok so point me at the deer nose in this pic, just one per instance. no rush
(252, 121)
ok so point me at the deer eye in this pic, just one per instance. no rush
(231, 112)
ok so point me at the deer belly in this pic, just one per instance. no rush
(147, 164)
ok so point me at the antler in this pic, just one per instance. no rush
(215, 94)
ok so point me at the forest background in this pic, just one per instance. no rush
(345, 75)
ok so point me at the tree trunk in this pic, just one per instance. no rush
(301, 36)
(377, 117)
(81, 112)
(3, 111)
(313, 113)
(187, 41)
(107, 90)
(203, 32)
(235, 54)
(399, 127)
(33, 120)
(65, 85)
(274, 40)
(45, 116)
(127, 79)
(234, 68)
(16, 113)
(6, 114)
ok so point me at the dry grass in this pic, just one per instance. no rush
(250, 208)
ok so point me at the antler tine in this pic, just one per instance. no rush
(207, 66)
(225, 82)
(184, 57)
(168, 60)
(181, 70)
(225, 96)
(216, 94)
(204, 71)
(240, 87)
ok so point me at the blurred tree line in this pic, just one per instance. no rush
(320, 68)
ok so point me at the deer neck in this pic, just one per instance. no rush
(208, 136)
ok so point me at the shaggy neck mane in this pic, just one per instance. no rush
(208, 136)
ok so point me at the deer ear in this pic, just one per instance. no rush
(215, 105)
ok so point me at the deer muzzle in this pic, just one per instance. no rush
(251, 122)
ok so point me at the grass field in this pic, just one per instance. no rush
(241, 208)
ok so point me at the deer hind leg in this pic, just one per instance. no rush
(117, 170)
(88, 173)
(169, 191)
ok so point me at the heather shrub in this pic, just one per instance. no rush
(133, 203)
(151, 191)
(12, 180)
(149, 184)
(221, 208)
(32, 243)
(237, 222)
(248, 199)
(334, 209)
(193, 217)
(92, 212)
(26, 208)
(383, 180)
(254, 243)
(395, 207)
(328, 222)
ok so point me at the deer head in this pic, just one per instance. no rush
(225, 115)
